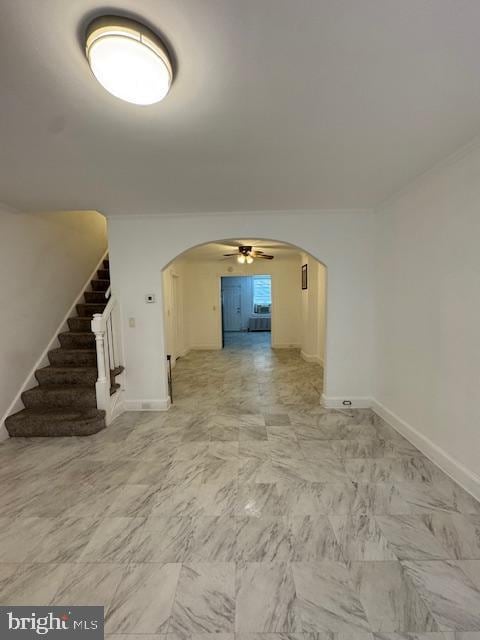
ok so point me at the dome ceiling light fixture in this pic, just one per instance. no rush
(128, 60)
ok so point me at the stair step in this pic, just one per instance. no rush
(60, 396)
(116, 372)
(103, 274)
(88, 309)
(74, 357)
(55, 422)
(80, 324)
(114, 388)
(67, 375)
(95, 296)
(106, 263)
(100, 285)
(77, 339)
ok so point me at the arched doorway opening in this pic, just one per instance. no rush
(250, 332)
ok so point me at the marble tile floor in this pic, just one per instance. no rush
(246, 510)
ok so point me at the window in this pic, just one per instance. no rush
(262, 294)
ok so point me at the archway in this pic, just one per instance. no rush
(195, 288)
(342, 241)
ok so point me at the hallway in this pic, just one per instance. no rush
(246, 508)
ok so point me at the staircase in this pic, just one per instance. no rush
(65, 403)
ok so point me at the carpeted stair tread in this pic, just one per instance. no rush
(67, 374)
(60, 395)
(100, 285)
(80, 323)
(77, 339)
(90, 308)
(77, 357)
(55, 422)
(96, 297)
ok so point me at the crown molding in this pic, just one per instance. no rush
(220, 214)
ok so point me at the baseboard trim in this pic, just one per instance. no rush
(281, 345)
(31, 381)
(336, 402)
(311, 357)
(467, 479)
(147, 405)
(206, 347)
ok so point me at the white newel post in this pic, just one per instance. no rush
(102, 386)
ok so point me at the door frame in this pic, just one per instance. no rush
(176, 320)
(220, 341)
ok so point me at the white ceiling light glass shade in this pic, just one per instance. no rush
(241, 259)
(128, 60)
(249, 259)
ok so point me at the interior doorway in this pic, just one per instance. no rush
(246, 310)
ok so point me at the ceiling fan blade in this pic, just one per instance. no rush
(265, 257)
(227, 255)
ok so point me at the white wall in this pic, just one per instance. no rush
(202, 300)
(176, 339)
(428, 315)
(45, 258)
(141, 246)
(313, 310)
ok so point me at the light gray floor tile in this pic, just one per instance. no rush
(409, 538)
(88, 584)
(390, 599)
(263, 539)
(134, 501)
(313, 539)
(266, 599)
(214, 539)
(300, 498)
(449, 593)
(114, 540)
(30, 584)
(143, 600)
(458, 533)
(167, 539)
(255, 500)
(326, 598)
(205, 599)
(360, 538)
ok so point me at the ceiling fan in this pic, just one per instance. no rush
(247, 253)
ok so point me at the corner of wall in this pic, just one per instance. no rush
(467, 479)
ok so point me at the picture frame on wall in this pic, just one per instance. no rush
(304, 276)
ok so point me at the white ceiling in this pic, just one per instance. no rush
(277, 105)
(216, 250)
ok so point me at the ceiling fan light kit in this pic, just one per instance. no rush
(247, 254)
